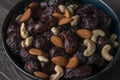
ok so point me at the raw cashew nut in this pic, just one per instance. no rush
(42, 59)
(113, 37)
(18, 17)
(96, 33)
(72, 7)
(75, 20)
(105, 53)
(71, 10)
(27, 42)
(59, 73)
(55, 30)
(91, 47)
(62, 8)
(23, 32)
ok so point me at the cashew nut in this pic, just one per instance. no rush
(96, 33)
(105, 53)
(113, 37)
(91, 47)
(55, 30)
(42, 59)
(71, 10)
(72, 7)
(62, 8)
(23, 32)
(27, 42)
(18, 17)
(59, 73)
(75, 20)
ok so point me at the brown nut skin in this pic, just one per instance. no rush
(37, 52)
(64, 21)
(33, 4)
(27, 14)
(84, 33)
(73, 62)
(59, 60)
(56, 41)
(57, 15)
(67, 13)
(40, 74)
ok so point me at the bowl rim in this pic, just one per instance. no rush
(32, 76)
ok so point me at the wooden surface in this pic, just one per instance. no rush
(9, 72)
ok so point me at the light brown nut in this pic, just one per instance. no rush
(23, 32)
(58, 15)
(23, 44)
(56, 41)
(59, 60)
(84, 33)
(67, 13)
(91, 47)
(64, 21)
(37, 52)
(40, 74)
(73, 62)
(113, 38)
(27, 14)
(33, 4)
(105, 53)
(62, 8)
(27, 42)
(74, 6)
(43, 59)
(96, 33)
(18, 18)
(75, 20)
(59, 73)
(55, 30)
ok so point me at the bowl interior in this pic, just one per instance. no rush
(19, 8)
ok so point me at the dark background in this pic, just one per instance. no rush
(12, 73)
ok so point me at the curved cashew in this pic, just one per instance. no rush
(62, 8)
(75, 20)
(23, 32)
(59, 73)
(72, 7)
(96, 33)
(71, 10)
(113, 37)
(105, 53)
(55, 30)
(42, 59)
(18, 17)
(90, 47)
(27, 42)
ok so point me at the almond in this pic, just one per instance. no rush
(59, 60)
(64, 21)
(40, 74)
(57, 15)
(67, 13)
(34, 51)
(56, 41)
(26, 15)
(33, 4)
(84, 33)
(73, 62)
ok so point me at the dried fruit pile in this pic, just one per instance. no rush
(62, 39)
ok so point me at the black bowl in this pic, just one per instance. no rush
(19, 8)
